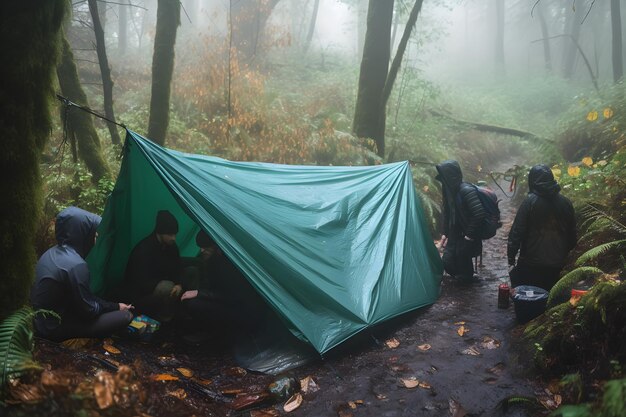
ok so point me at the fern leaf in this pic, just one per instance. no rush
(16, 345)
(570, 279)
(598, 250)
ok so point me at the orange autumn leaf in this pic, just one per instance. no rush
(462, 330)
(410, 383)
(424, 347)
(592, 116)
(112, 349)
(573, 171)
(587, 161)
(607, 113)
(185, 372)
(165, 377)
(392, 343)
(293, 402)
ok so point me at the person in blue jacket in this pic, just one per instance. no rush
(62, 284)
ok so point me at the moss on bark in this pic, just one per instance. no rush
(30, 31)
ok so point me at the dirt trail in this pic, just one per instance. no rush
(478, 383)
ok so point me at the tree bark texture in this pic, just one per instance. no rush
(248, 19)
(168, 19)
(309, 35)
(545, 34)
(499, 39)
(616, 31)
(105, 72)
(30, 32)
(397, 60)
(369, 114)
(79, 124)
(574, 21)
(122, 29)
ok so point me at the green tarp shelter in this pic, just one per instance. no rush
(332, 250)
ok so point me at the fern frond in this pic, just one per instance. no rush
(16, 345)
(613, 399)
(592, 212)
(593, 253)
(570, 279)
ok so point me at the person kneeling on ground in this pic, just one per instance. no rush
(222, 299)
(462, 215)
(62, 284)
(154, 269)
(544, 232)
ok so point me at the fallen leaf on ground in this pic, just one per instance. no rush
(472, 350)
(353, 404)
(497, 369)
(424, 385)
(392, 343)
(77, 343)
(103, 389)
(399, 368)
(490, 343)
(165, 377)
(459, 323)
(462, 330)
(381, 396)
(112, 349)
(490, 380)
(308, 385)
(179, 393)
(424, 347)
(185, 372)
(456, 409)
(410, 382)
(24, 393)
(293, 402)
(202, 381)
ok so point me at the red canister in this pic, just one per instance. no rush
(503, 295)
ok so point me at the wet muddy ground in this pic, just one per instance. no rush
(453, 358)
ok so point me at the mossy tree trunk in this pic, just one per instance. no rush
(30, 33)
(105, 71)
(369, 114)
(168, 19)
(80, 127)
(545, 35)
(616, 31)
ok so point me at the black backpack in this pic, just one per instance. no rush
(491, 222)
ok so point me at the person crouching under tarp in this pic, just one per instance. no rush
(154, 270)
(62, 284)
(222, 299)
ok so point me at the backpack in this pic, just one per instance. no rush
(491, 223)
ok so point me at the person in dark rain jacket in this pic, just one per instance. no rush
(62, 284)
(462, 215)
(544, 231)
(154, 270)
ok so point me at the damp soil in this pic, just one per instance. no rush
(452, 374)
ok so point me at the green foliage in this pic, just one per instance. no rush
(16, 344)
(568, 280)
(581, 410)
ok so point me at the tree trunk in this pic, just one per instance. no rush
(369, 114)
(105, 72)
(168, 19)
(545, 34)
(361, 27)
(31, 32)
(499, 51)
(122, 31)
(248, 22)
(79, 123)
(397, 60)
(575, 21)
(309, 35)
(616, 31)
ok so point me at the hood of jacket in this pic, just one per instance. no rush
(541, 181)
(450, 175)
(76, 228)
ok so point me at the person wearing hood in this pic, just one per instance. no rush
(154, 270)
(463, 213)
(543, 232)
(62, 284)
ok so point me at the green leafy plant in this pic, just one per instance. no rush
(16, 344)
